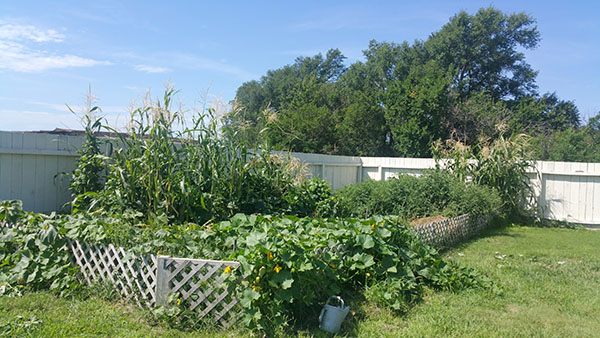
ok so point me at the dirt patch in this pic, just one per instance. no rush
(427, 220)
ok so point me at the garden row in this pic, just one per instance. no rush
(286, 266)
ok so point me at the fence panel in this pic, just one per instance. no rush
(134, 276)
(200, 283)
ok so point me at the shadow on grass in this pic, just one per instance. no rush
(499, 228)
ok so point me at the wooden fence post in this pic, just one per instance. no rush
(162, 280)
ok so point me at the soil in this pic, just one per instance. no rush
(426, 220)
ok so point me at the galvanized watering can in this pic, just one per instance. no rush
(331, 317)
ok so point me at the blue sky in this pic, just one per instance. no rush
(51, 51)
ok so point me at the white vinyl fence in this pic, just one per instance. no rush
(31, 165)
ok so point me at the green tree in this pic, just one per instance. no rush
(362, 129)
(307, 122)
(482, 49)
(415, 109)
(543, 115)
(281, 90)
(466, 82)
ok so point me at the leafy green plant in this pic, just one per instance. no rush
(502, 165)
(33, 256)
(313, 197)
(88, 177)
(287, 269)
(437, 192)
(288, 265)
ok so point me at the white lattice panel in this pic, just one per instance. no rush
(134, 276)
(450, 231)
(201, 285)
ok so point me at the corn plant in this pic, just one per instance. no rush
(502, 164)
(166, 171)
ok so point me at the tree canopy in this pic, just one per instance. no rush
(466, 82)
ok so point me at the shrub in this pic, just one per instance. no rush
(437, 192)
(313, 197)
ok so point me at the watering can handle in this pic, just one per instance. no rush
(338, 298)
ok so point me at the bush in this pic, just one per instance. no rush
(437, 192)
(314, 198)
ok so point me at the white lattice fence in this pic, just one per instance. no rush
(450, 231)
(148, 280)
(134, 276)
(201, 285)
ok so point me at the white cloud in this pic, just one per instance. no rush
(29, 32)
(151, 69)
(15, 55)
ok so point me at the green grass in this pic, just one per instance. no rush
(549, 280)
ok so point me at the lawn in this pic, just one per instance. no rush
(548, 285)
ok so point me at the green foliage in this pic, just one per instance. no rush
(285, 277)
(436, 192)
(11, 212)
(569, 145)
(158, 171)
(287, 265)
(483, 49)
(88, 176)
(32, 255)
(549, 290)
(502, 165)
(313, 197)
(415, 109)
(543, 115)
(459, 84)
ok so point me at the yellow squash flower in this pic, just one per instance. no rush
(277, 268)
(228, 269)
(270, 255)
